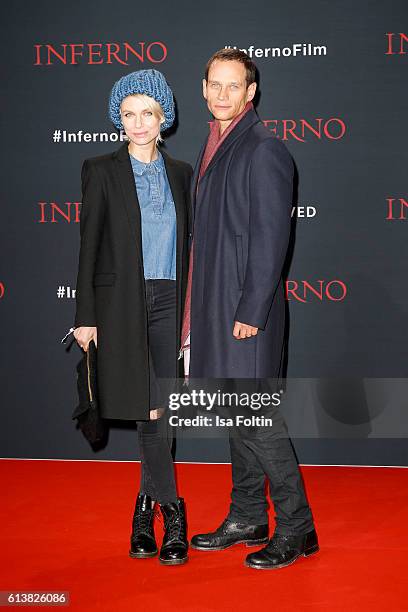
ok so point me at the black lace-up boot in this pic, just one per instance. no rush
(230, 533)
(283, 550)
(175, 545)
(142, 541)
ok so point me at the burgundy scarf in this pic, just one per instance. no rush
(215, 139)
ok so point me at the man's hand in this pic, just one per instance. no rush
(83, 335)
(242, 330)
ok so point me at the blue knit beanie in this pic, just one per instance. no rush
(150, 82)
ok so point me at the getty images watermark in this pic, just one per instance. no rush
(213, 402)
(306, 408)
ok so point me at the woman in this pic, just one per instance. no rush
(130, 290)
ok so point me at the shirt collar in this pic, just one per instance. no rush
(140, 167)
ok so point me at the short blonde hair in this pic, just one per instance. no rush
(155, 107)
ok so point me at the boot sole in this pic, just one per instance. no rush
(173, 561)
(247, 543)
(306, 553)
(134, 555)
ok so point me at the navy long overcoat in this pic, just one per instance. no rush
(241, 226)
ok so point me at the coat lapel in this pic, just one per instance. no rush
(129, 193)
(247, 121)
(194, 180)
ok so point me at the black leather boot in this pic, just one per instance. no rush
(230, 533)
(142, 540)
(175, 545)
(282, 550)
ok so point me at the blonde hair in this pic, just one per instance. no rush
(155, 107)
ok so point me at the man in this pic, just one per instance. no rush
(235, 310)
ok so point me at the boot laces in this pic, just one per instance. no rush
(221, 528)
(142, 520)
(278, 541)
(174, 527)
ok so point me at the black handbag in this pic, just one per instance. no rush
(90, 422)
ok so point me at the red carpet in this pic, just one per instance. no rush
(65, 526)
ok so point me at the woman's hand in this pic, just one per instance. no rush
(157, 413)
(83, 335)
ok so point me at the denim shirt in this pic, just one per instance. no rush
(158, 215)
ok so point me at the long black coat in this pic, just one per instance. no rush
(110, 290)
(242, 217)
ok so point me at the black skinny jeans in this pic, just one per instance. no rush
(155, 439)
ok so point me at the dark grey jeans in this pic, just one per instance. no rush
(155, 438)
(268, 452)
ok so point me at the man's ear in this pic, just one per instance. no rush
(205, 88)
(251, 91)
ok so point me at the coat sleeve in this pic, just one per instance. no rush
(91, 224)
(270, 192)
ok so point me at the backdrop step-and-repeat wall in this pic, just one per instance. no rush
(333, 88)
